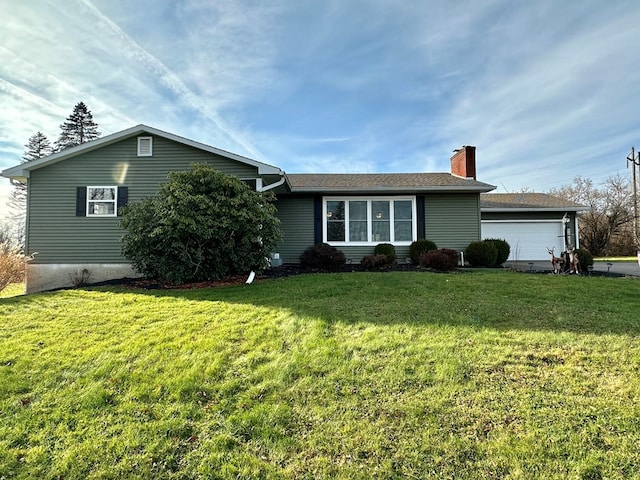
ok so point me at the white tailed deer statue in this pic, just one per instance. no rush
(574, 261)
(556, 262)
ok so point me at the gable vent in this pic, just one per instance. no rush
(145, 146)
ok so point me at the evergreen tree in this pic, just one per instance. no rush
(77, 129)
(37, 146)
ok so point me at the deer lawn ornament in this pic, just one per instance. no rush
(574, 261)
(556, 262)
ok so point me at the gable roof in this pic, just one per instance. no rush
(529, 202)
(22, 170)
(383, 182)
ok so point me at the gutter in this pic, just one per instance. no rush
(273, 185)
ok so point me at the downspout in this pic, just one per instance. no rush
(273, 185)
(577, 234)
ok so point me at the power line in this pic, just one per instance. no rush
(635, 162)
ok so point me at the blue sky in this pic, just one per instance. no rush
(546, 90)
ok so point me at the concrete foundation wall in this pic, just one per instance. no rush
(41, 277)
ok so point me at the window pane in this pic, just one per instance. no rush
(380, 221)
(358, 210)
(358, 221)
(335, 221)
(335, 232)
(403, 231)
(102, 193)
(101, 208)
(335, 210)
(402, 210)
(357, 231)
(380, 210)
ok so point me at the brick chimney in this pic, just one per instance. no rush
(463, 162)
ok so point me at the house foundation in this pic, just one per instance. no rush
(42, 277)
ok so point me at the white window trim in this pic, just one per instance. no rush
(414, 223)
(150, 152)
(115, 202)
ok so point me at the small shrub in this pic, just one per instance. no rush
(12, 265)
(445, 259)
(481, 254)
(585, 258)
(322, 256)
(386, 249)
(378, 262)
(81, 278)
(503, 249)
(419, 247)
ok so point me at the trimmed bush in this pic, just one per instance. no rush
(377, 262)
(444, 260)
(420, 247)
(481, 254)
(322, 256)
(585, 258)
(502, 248)
(385, 249)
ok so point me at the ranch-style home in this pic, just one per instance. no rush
(75, 197)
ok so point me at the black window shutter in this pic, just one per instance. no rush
(123, 197)
(81, 201)
(420, 214)
(317, 219)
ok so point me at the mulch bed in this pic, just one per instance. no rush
(283, 271)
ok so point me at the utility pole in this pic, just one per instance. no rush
(635, 162)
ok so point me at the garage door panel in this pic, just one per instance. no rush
(528, 240)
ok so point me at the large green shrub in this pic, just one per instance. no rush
(585, 258)
(444, 260)
(202, 225)
(322, 256)
(481, 254)
(503, 249)
(419, 247)
(386, 249)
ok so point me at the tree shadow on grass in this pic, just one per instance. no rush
(500, 301)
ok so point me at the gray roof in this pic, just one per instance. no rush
(22, 170)
(527, 202)
(384, 182)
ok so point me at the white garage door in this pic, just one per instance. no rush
(528, 239)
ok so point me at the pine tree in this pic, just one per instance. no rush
(77, 129)
(38, 146)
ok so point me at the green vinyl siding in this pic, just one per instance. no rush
(452, 221)
(54, 231)
(355, 254)
(296, 224)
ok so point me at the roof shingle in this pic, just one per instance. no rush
(527, 201)
(409, 182)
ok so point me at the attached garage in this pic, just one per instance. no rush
(528, 239)
(530, 223)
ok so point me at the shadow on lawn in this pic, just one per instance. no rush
(506, 301)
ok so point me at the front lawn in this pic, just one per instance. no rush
(362, 375)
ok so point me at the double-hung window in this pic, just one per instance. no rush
(102, 201)
(369, 221)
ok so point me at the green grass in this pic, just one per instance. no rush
(12, 290)
(363, 375)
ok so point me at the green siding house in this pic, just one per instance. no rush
(74, 198)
